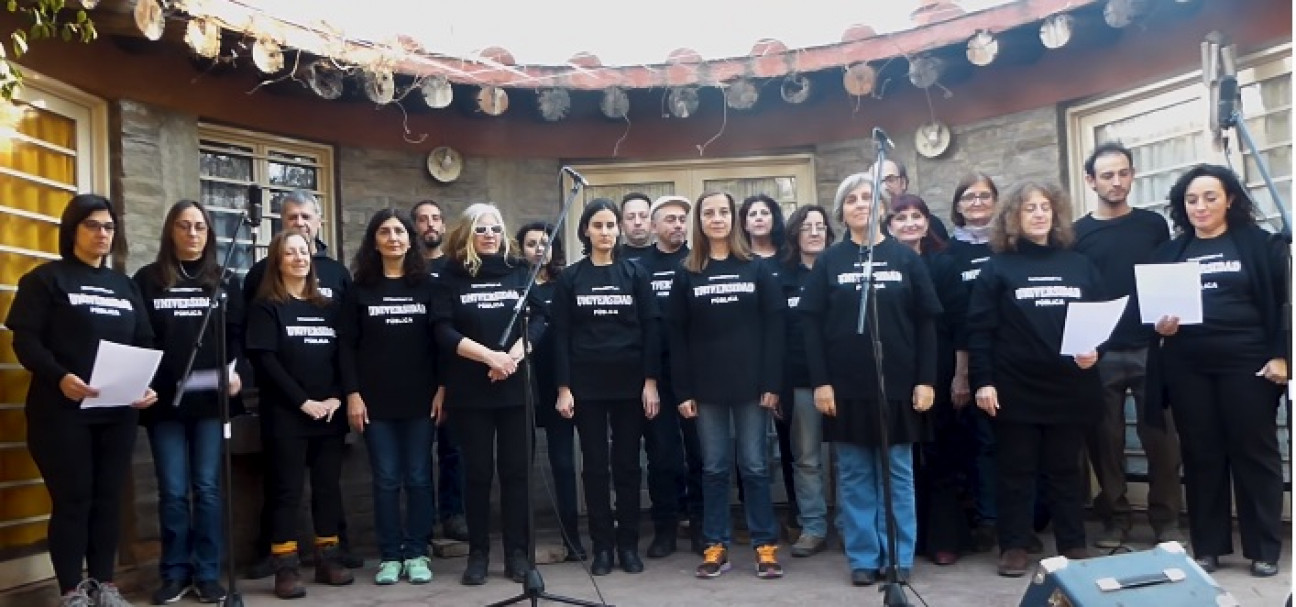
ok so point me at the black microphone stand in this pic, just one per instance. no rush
(533, 588)
(217, 306)
(892, 587)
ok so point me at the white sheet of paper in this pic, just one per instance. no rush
(121, 374)
(205, 379)
(1089, 324)
(1169, 289)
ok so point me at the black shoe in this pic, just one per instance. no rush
(261, 569)
(171, 591)
(1264, 568)
(209, 591)
(663, 545)
(602, 562)
(516, 566)
(475, 573)
(863, 577)
(630, 562)
(1208, 563)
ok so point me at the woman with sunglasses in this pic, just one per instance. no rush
(485, 395)
(61, 312)
(186, 439)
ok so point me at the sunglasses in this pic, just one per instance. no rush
(484, 230)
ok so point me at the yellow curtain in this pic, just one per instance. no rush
(37, 176)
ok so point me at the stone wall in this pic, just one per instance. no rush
(1007, 148)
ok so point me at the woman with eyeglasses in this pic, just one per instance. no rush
(61, 312)
(292, 342)
(560, 432)
(186, 439)
(388, 364)
(607, 333)
(485, 395)
(975, 200)
(844, 372)
(726, 329)
(811, 234)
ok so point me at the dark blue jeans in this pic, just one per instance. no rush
(560, 438)
(186, 458)
(450, 484)
(398, 451)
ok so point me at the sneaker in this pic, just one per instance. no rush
(1112, 536)
(455, 528)
(79, 596)
(1013, 563)
(715, 560)
(170, 592)
(209, 591)
(767, 565)
(1170, 534)
(389, 572)
(109, 596)
(417, 570)
(808, 545)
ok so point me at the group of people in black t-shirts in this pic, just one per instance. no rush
(695, 351)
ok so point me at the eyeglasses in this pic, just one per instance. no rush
(977, 197)
(95, 226)
(891, 179)
(484, 230)
(813, 228)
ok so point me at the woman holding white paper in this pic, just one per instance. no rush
(1040, 400)
(62, 311)
(1224, 376)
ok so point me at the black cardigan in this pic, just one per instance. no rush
(1258, 249)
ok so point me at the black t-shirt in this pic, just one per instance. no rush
(334, 278)
(294, 349)
(794, 353)
(1115, 246)
(175, 314)
(388, 351)
(907, 310)
(963, 263)
(1015, 323)
(625, 251)
(606, 325)
(726, 331)
(60, 313)
(479, 308)
(1232, 329)
(661, 268)
(543, 357)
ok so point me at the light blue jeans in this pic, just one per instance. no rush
(863, 517)
(750, 428)
(807, 464)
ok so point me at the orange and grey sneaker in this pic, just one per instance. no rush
(767, 565)
(715, 560)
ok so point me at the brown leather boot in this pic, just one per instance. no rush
(329, 568)
(287, 577)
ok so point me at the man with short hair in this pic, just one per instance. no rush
(429, 224)
(636, 226)
(895, 178)
(1116, 236)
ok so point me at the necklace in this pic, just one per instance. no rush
(183, 272)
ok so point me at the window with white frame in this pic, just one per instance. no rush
(233, 160)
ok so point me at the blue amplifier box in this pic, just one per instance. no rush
(1164, 575)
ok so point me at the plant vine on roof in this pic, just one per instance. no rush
(46, 20)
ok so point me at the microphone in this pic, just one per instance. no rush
(1228, 99)
(254, 205)
(881, 138)
(575, 176)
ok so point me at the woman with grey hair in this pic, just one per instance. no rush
(844, 373)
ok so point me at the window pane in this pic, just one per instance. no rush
(293, 176)
(227, 166)
(616, 191)
(1164, 142)
(242, 259)
(781, 189)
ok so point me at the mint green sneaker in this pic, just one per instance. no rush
(418, 571)
(389, 572)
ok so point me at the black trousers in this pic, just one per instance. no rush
(560, 440)
(938, 464)
(625, 419)
(265, 536)
(293, 458)
(691, 488)
(783, 428)
(1050, 453)
(664, 447)
(1228, 426)
(85, 469)
(494, 440)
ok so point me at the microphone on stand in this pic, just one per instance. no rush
(1228, 101)
(881, 138)
(575, 176)
(254, 205)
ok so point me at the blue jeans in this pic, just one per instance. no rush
(187, 459)
(807, 449)
(750, 427)
(450, 483)
(863, 515)
(398, 451)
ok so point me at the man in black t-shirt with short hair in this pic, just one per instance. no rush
(1116, 237)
